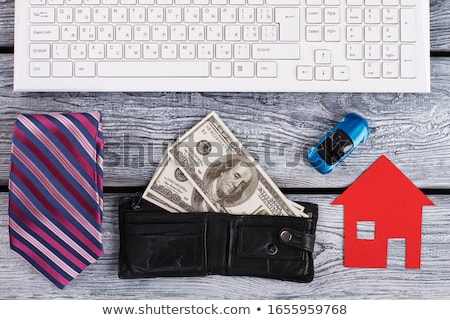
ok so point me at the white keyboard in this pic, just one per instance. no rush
(222, 45)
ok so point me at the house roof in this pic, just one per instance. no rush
(382, 183)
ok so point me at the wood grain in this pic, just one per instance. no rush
(277, 128)
(332, 281)
(413, 130)
(439, 17)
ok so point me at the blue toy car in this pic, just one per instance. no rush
(338, 143)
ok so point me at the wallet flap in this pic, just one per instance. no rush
(265, 242)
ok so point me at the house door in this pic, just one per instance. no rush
(396, 257)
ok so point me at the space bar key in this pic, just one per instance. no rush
(153, 69)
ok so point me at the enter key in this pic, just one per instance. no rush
(289, 22)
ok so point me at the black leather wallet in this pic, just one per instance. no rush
(156, 243)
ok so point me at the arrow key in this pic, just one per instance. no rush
(341, 73)
(323, 73)
(304, 73)
(322, 56)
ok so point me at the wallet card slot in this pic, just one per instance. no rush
(162, 249)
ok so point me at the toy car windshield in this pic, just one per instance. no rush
(335, 147)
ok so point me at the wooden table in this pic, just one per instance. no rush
(410, 129)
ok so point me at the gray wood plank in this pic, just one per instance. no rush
(6, 23)
(439, 28)
(18, 280)
(277, 128)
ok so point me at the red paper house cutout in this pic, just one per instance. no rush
(385, 197)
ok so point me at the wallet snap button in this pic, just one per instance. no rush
(272, 249)
(286, 236)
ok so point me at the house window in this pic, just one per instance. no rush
(365, 230)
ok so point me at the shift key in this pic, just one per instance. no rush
(276, 51)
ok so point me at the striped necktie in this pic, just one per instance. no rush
(56, 192)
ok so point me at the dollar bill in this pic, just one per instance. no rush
(223, 176)
(172, 191)
(169, 188)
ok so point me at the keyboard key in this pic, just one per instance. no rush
(390, 16)
(269, 33)
(408, 61)
(60, 51)
(304, 73)
(313, 15)
(78, 51)
(244, 69)
(264, 14)
(276, 51)
(169, 51)
(62, 69)
(44, 33)
(241, 51)
(372, 15)
(331, 33)
(354, 15)
(390, 70)
(39, 69)
(372, 52)
(341, 73)
(390, 52)
(223, 50)
(354, 52)
(64, 15)
(132, 51)
(85, 69)
(40, 51)
(331, 15)
(114, 51)
(221, 69)
(150, 51)
(96, 51)
(390, 34)
(289, 21)
(407, 25)
(372, 33)
(372, 70)
(187, 51)
(149, 69)
(322, 73)
(313, 33)
(39, 15)
(322, 56)
(205, 50)
(266, 69)
(354, 33)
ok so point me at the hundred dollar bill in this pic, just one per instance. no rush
(169, 188)
(172, 191)
(225, 176)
